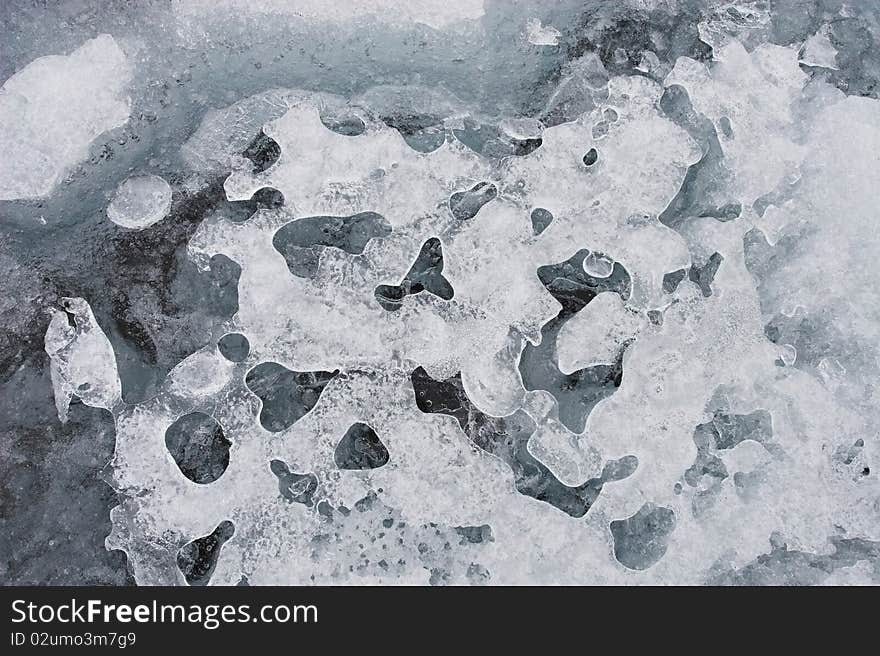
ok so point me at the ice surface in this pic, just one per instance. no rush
(709, 337)
(819, 51)
(140, 202)
(542, 35)
(435, 13)
(83, 364)
(595, 308)
(756, 93)
(52, 110)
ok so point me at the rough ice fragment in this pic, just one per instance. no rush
(542, 35)
(52, 110)
(140, 201)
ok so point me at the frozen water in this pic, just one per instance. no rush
(140, 202)
(53, 108)
(83, 364)
(430, 293)
(819, 51)
(542, 35)
(429, 12)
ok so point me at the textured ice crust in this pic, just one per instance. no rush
(82, 360)
(53, 108)
(640, 349)
(140, 202)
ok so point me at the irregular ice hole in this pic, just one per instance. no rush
(198, 559)
(640, 540)
(234, 347)
(263, 151)
(286, 395)
(464, 205)
(591, 157)
(296, 488)
(360, 448)
(541, 219)
(300, 241)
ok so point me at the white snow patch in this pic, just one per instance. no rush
(52, 110)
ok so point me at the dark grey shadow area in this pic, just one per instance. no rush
(785, 566)
(576, 393)
(155, 305)
(703, 190)
(640, 540)
(54, 505)
(723, 432)
(815, 334)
